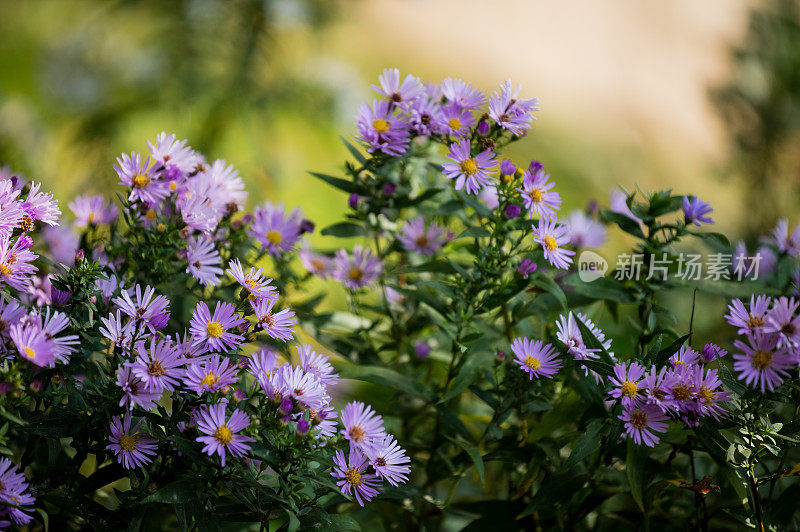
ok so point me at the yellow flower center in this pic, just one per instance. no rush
(223, 435)
(639, 419)
(755, 321)
(140, 181)
(469, 166)
(550, 243)
(30, 353)
(209, 381)
(629, 388)
(274, 237)
(681, 393)
(761, 359)
(706, 394)
(454, 123)
(535, 195)
(380, 125)
(355, 274)
(532, 362)
(214, 329)
(156, 369)
(357, 434)
(353, 477)
(150, 214)
(5, 270)
(127, 442)
(173, 185)
(91, 218)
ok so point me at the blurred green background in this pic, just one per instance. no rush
(701, 97)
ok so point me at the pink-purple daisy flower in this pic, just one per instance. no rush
(133, 447)
(216, 332)
(536, 193)
(357, 270)
(470, 171)
(762, 364)
(643, 422)
(552, 237)
(353, 475)
(415, 236)
(279, 325)
(536, 358)
(221, 434)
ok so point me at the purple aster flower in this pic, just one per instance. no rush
(526, 267)
(681, 391)
(278, 325)
(147, 307)
(584, 232)
(174, 159)
(304, 388)
(138, 174)
(642, 422)
(712, 352)
(133, 390)
(456, 121)
(120, 334)
(32, 345)
(39, 206)
(354, 478)
(627, 383)
(92, 210)
(317, 364)
(62, 244)
(15, 263)
(618, 203)
(277, 231)
(426, 117)
(262, 366)
(469, 170)
(389, 460)
(425, 240)
(11, 211)
(656, 388)
(204, 261)
(462, 94)
(325, 423)
(210, 374)
(510, 112)
(685, 356)
(697, 211)
(762, 363)
(159, 368)
(536, 194)
(536, 358)
(709, 392)
(132, 447)
(397, 92)
(507, 167)
(361, 425)
(10, 314)
(782, 321)
(358, 270)
(254, 282)
(107, 286)
(13, 487)
(381, 129)
(226, 189)
(315, 263)
(570, 335)
(215, 332)
(752, 321)
(789, 244)
(221, 435)
(552, 237)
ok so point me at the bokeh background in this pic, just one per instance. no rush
(702, 97)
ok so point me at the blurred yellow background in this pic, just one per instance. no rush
(270, 84)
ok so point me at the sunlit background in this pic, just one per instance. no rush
(702, 97)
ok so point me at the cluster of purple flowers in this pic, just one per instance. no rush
(373, 455)
(771, 345)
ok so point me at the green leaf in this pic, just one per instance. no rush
(716, 240)
(474, 454)
(434, 266)
(587, 444)
(353, 150)
(474, 232)
(634, 466)
(384, 377)
(176, 492)
(670, 350)
(606, 288)
(320, 521)
(547, 284)
(341, 184)
(628, 225)
(410, 202)
(344, 230)
(470, 370)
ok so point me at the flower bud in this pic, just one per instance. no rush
(483, 128)
(512, 211)
(79, 257)
(306, 226)
(352, 201)
(535, 166)
(389, 189)
(421, 350)
(303, 427)
(286, 406)
(501, 355)
(507, 167)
